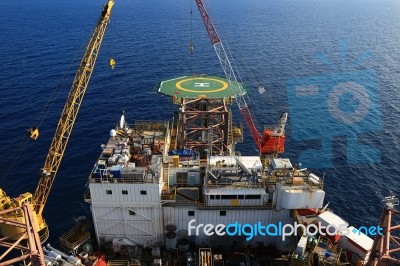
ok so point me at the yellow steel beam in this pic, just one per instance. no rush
(70, 111)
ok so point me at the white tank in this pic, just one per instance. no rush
(299, 199)
(314, 179)
(71, 259)
(122, 122)
(113, 133)
(54, 255)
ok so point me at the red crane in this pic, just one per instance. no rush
(273, 140)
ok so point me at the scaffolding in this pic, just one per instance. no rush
(204, 124)
(26, 239)
(386, 247)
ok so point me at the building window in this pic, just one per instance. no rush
(212, 197)
(222, 213)
(143, 192)
(240, 196)
(217, 196)
(125, 192)
(228, 196)
(109, 191)
(253, 196)
(181, 178)
(190, 213)
(132, 212)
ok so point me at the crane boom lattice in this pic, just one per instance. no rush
(229, 73)
(27, 208)
(70, 111)
(272, 141)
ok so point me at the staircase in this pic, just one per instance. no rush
(166, 175)
(229, 136)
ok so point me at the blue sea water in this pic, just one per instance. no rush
(277, 41)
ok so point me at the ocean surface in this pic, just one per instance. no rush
(272, 42)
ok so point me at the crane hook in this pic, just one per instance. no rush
(112, 63)
(33, 133)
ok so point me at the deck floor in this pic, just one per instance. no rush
(197, 87)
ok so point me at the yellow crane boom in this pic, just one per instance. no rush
(59, 142)
(70, 111)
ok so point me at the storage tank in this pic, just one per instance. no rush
(170, 240)
(289, 198)
(54, 255)
(182, 234)
(314, 179)
(170, 228)
(183, 245)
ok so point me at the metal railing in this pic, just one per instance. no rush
(151, 125)
(129, 180)
(170, 200)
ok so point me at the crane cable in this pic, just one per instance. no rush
(70, 69)
(111, 25)
(191, 38)
(254, 73)
(50, 102)
(225, 42)
(14, 160)
(255, 76)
